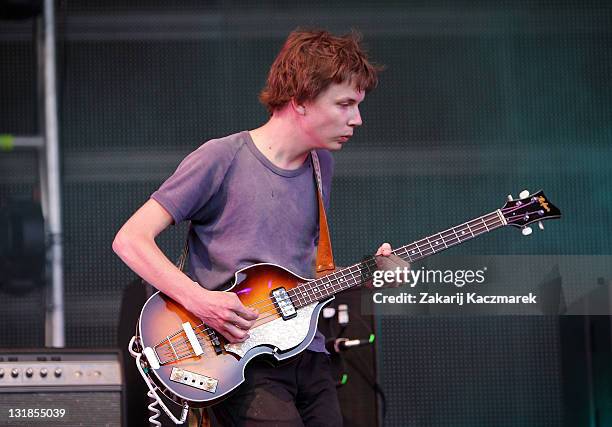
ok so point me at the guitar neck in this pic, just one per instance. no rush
(363, 271)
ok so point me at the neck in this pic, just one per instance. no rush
(281, 142)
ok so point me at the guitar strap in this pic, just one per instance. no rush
(325, 258)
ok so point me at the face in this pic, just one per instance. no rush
(330, 119)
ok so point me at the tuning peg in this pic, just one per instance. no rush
(540, 225)
(526, 231)
(524, 194)
(510, 197)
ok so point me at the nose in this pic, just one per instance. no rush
(355, 119)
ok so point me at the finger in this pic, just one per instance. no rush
(391, 262)
(240, 322)
(385, 263)
(384, 250)
(234, 333)
(247, 313)
(399, 261)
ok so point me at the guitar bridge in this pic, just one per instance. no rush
(192, 379)
(284, 304)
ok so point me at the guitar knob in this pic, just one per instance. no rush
(540, 225)
(526, 231)
(509, 197)
(524, 194)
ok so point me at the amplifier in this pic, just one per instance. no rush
(61, 387)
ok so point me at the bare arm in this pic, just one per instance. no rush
(135, 245)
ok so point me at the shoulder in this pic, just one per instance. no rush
(220, 150)
(198, 177)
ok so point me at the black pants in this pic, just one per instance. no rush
(300, 392)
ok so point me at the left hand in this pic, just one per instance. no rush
(386, 260)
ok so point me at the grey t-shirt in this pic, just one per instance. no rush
(245, 210)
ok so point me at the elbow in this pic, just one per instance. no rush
(121, 244)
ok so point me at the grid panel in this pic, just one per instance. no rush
(18, 112)
(160, 94)
(441, 93)
(459, 371)
(95, 277)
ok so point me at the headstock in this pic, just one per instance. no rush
(528, 209)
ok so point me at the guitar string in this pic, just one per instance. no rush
(474, 231)
(484, 220)
(478, 229)
(346, 271)
(183, 349)
(273, 313)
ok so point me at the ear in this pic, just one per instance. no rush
(298, 108)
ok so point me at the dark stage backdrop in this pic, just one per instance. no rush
(479, 99)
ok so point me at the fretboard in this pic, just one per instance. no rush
(356, 274)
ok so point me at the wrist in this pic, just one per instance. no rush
(191, 293)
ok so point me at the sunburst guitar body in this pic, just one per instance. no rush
(206, 374)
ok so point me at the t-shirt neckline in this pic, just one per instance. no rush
(268, 164)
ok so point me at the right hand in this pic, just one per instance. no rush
(225, 313)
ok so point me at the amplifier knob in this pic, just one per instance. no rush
(29, 372)
(1, 373)
(58, 372)
(43, 372)
(15, 373)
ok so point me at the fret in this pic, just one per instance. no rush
(479, 231)
(451, 239)
(485, 224)
(408, 256)
(298, 299)
(356, 274)
(307, 294)
(316, 289)
(418, 249)
(341, 281)
(432, 248)
(443, 242)
(456, 235)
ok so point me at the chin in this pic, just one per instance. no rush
(336, 146)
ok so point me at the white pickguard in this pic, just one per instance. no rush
(279, 333)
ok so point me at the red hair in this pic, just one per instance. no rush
(312, 60)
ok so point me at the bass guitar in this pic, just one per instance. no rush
(191, 363)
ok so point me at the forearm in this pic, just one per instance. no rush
(146, 259)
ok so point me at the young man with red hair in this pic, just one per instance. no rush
(252, 198)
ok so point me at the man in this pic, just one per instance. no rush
(252, 197)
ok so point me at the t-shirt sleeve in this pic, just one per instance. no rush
(197, 178)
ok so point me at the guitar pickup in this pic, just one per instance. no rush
(283, 303)
(192, 379)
